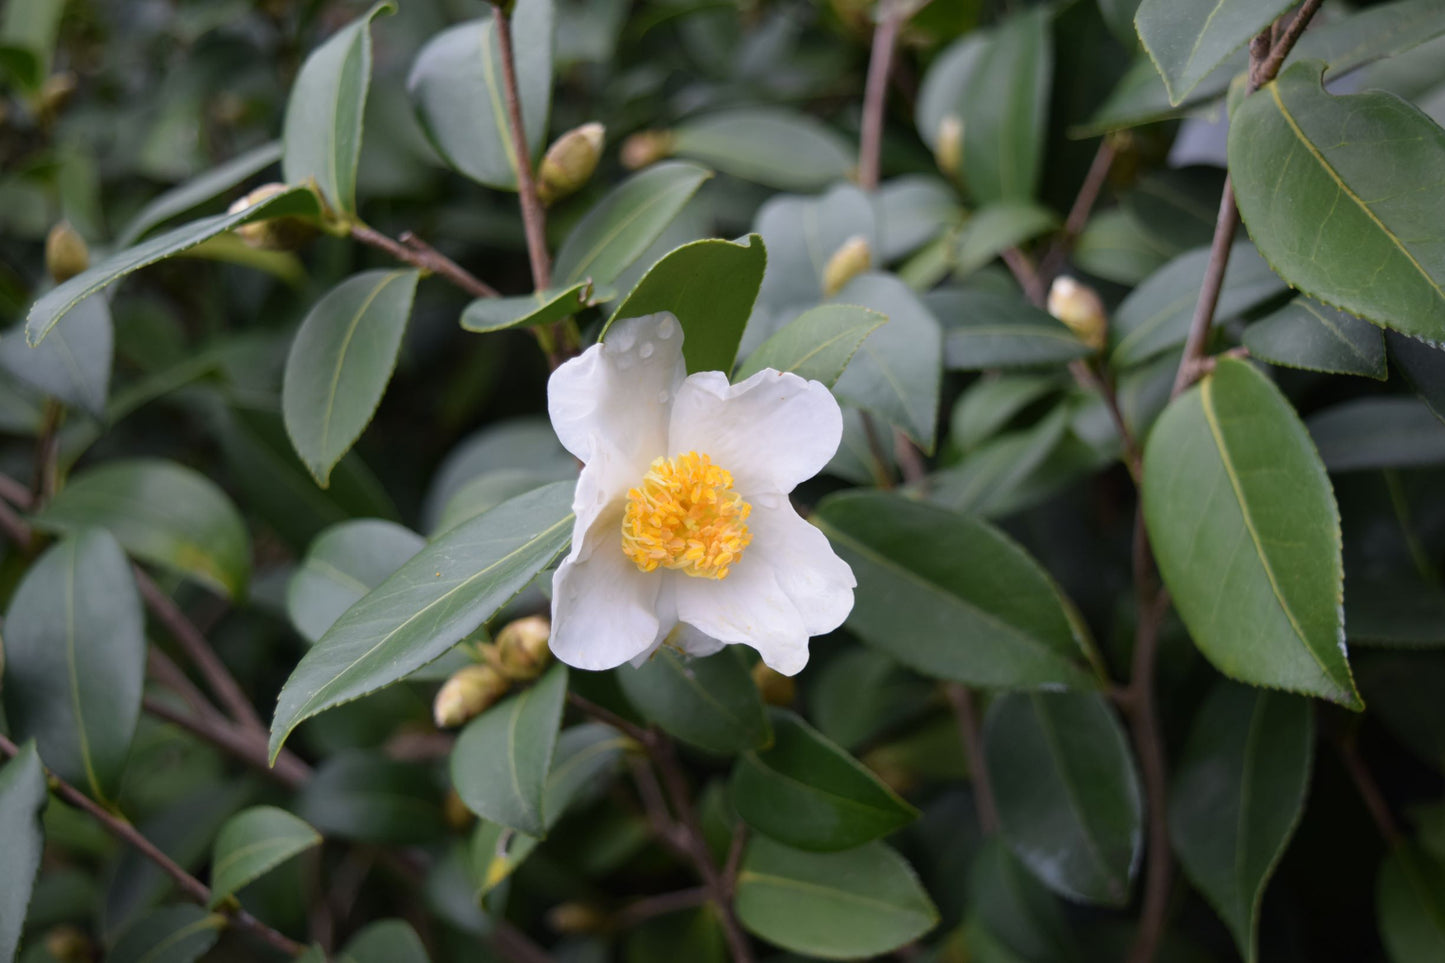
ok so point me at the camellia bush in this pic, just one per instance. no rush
(676, 481)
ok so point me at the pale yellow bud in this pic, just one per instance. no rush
(576, 918)
(849, 261)
(467, 694)
(775, 688)
(570, 161)
(66, 254)
(645, 148)
(272, 233)
(522, 651)
(1077, 306)
(948, 151)
(68, 944)
(55, 93)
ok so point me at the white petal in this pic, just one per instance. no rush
(771, 431)
(604, 610)
(818, 581)
(694, 641)
(617, 394)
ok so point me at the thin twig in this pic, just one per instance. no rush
(875, 94)
(290, 771)
(418, 253)
(646, 908)
(193, 888)
(1272, 64)
(1369, 790)
(881, 473)
(47, 453)
(1026, 275)
(1078, 218)
(606, 715)
(961, 698)
(1092, 379)
(160, 668)
(534, 218)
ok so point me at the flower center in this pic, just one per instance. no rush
(686, 516)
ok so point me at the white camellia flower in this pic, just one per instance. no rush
(684, 531)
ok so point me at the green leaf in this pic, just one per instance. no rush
(60, 300)
(817, 344)
(171, 934)
(1316, 337)
(998, 226)
(430, 603)
(486, 315)
(343, 564)
(365, 796)
(711, 703)
(1423, 365)
(802, 234)
(1379, 255)
(30, 28)
(197, 191)
(693, 935)
(946, 86)
(859, 903)
(810, 794)
(1015, 910)
(1156, 315)
(615, 232)
(1069, 800)
(22, 799)
(987, 329)
(385, 941)
(710, 287)
(1403, 689)
(1247, 535)
(1385, 432)
(73, 364)
(896, 373)
(860, 693)
(951, 596)
(991, 402)
(1114, 248)
(911, 211)
(340, 363)
(457, 90)
(1189, 38)
(1005, 119)
(1176, 207)
(773, 146)
(989, 479)
(75, 660)
(322, 131)
(163, 513)
(1238, 795)
(1397, 614)
(501, 758)
(251, 844)
(1410, 904)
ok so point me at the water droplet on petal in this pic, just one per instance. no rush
(646, 349)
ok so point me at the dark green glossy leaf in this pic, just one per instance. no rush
(344, 563)
(430, 603)
(254, 842)
(1379, 256)
(774, 146)
(1246, 532)
(1403, 690)
(992, 402)
(486, 315)
(859, 903)
(163, 513)
(322, 130)
(1395, 613)
(1387, 432)
(808, 793)
(1014, 913)
(998, 226)
(711, 703)
(952, 597)
(986, 329)
(365, 796)
(710, 287)
(861, 692)
(1316, 337)
(385, 941)
(615, 233)
(990, 479)
(1116, 249)
(75, 660)
(1410, 904)
(171, 934)
(1238, 793)
(456, 87)
(817, 344)
(60, 300)
(193, 193)
(1069, 801)
(1423, 366)
(1005, 118)
(1189, 38)
(692, 935)
(22, 798)
(1176, 207)
(72, 365)
(501, 758)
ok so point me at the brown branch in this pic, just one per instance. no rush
(1084, 202)
(875, 93)
(1369, 790)
(1092, 379)
(1026, 275)
(416, 252)
(964, 709)
(289, 771)
(193, 888)
(160, 668)
(605, 715)
(1270, 68)
(534, 218)
(646, 908)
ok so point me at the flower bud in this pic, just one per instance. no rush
(849, 261)
(775, 688)
(576, 918)
(948, 150)
(66, 254)
(1080, 309)
(570, 161)
(272, 233)
(55, 93)
(467, 694)
(68, 944)
(522, 651)
(645, 148)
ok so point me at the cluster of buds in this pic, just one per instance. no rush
(569, 162)
(272, 233)
(518, 655)
(1080, 309)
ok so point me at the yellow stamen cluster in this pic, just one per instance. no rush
(686, 516)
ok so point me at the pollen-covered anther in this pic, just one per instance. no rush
(685, 516)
